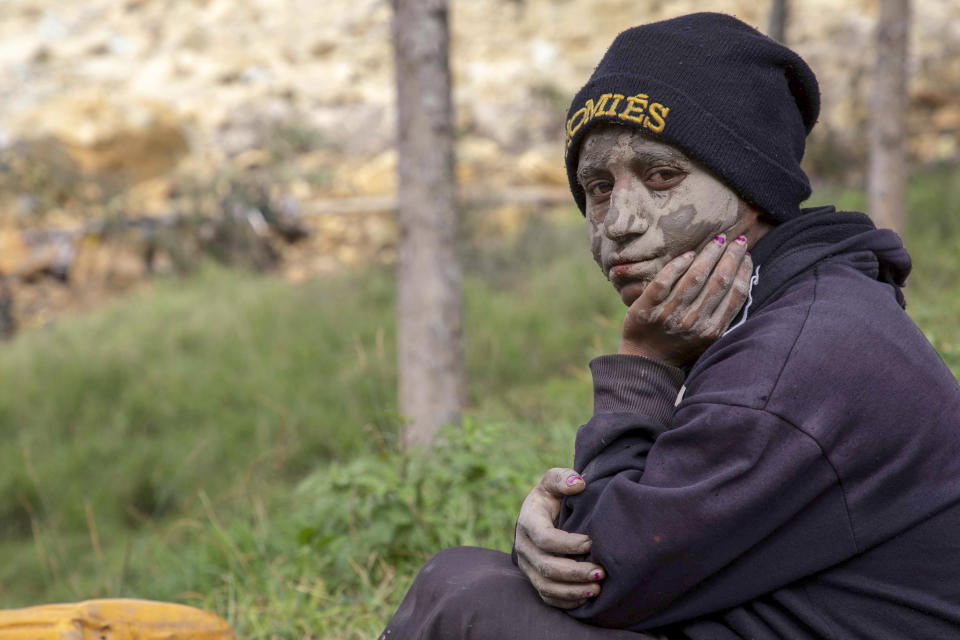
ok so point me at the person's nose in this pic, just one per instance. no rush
(627, 216)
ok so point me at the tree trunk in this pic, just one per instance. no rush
(888, 117)
(429, 343)
(777, 28)
(8, 325)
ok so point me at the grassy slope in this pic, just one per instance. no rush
(119, 418)
(176, 425)
(234, 386)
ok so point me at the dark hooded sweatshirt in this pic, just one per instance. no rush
(807, 482)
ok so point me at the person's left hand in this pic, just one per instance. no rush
(541, 548)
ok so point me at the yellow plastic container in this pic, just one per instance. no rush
(113, 619)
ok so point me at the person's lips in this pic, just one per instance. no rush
(631, 268)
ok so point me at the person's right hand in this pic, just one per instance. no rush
(689, 304)
(541, 548)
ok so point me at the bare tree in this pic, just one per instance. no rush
(888, 115)
(777, 27)
(430, 350)
(8, 325)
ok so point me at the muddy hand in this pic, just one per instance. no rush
(561, 582)
(689, 304)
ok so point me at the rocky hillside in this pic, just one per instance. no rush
(158, 110)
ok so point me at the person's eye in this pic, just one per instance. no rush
(663, 178)
(599, 188)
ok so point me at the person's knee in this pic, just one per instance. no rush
(460, 570)
(455, 588)
(449, 560)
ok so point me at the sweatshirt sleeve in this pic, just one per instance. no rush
(725, 505)
(633, 398)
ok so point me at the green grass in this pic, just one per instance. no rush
(229, 440)
(226, 383)
(235, 386)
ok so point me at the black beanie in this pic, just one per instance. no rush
(738, 102)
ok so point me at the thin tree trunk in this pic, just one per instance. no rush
(8, 325)
(429, 327)
(888, 117)
(779, 13)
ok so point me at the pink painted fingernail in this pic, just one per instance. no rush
(747, 254)
(588, 594)
(741, 239)
(573, 479)
(596, 575)
(720, 239)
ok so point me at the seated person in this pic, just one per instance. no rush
(775, 449)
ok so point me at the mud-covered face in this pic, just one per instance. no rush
(647, 203)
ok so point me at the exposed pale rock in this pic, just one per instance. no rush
(125, 139)
(169, 102)
(542, 166)
(331, 60)
(376, 176)
(150, 196)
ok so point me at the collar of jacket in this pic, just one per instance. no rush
(795, 246)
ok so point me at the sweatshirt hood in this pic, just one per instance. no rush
(820, 233)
